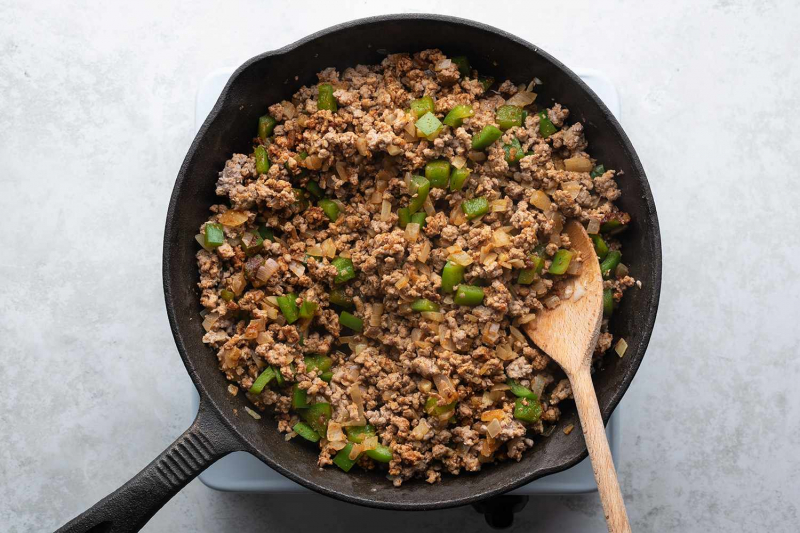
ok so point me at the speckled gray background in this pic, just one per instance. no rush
(96, 113)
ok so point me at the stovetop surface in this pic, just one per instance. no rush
(242, 472)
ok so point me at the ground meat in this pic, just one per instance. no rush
(317, 235)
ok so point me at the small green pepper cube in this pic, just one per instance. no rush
(599, 170)
(468, 295)
(458, 177)
(600, 246)
(299, 397)
(381, 453)
(262, 380)
(486, 82)
(429, 126)
(326, 376)
(608, 303)
(463, 65)
(262, 160)
(318, 362)
(346, 270)
(420, 218)
(306, 431)
(433, 408)
(475, 207)
(279, 379)
(301, 199)
(513, 151)
(456, 116)
(438, 173)
(423, 305)
(520, 391)
(265, 126)
(288, 307)
(418, 189)
(214, 236)
(488, 135)
(342, 458)
(314, 189)
(357, 434)
(317, 416)
(266, 233)
(326, 100)
(610, 263)
(252, 242)
(508, 116)
(403, 217)
(330, 208)
(546, 127)
(527, 410)
(307, 309)
(339, 297)
(351, 321)
(422, 106)
(226, 295)
(560, 262)
(452, 275)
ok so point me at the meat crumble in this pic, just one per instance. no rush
(367, 277)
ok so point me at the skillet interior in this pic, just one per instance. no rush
(269, 78)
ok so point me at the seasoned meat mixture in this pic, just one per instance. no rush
(367, 274)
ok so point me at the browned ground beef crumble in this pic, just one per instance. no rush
(363, 155)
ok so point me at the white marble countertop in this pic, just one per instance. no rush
(96, 113)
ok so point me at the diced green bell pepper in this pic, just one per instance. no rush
(315, 190)
(330, 208)
(326, 100)
(463, 65)
(561, 261)
(288, 307)
(317, 416)
(599, 170)
(452, 275)
(610, 263)
(458, 177)
(342, 459)
(320, 363)
(381, 453)
(262, 160)
(306, 431)
(423, 305)
(422, 106)
(608, 302)
(265, 126)
(468, 295)
(508, 116)
(475, 207)
(419, 189)
(546, 127)
(403, 217)
(520, 391)
(339, 297)
(346, 270)
(299, 397)
(488, 135)
(433, 408)
(351, 321)
(527, 410)
(214, 236)
(513, 151)
(357, 434)
(262, 380)
(429, 126)
(438, 173)
(307, 309)
(600, 246)
(456, 116)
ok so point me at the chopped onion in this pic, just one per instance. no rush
(434, 316)
(551, 301)
(477, 156)
(505, 353)
(457, 216)
(572, 188)
(338, 445)
(579, 292)
(416, 334)
(314, 251)
(402, 282)
(461, 258)
(341, 170)
(263, 338)
(289, 109)
(621, 347)
(361, 146)
(424, 385)
(209, 321)
(524, 319)
(412, 232)
(459, 161)
(393, 150)
(442, 64)
(252, 413)
(329, 248)
(500, 386)
(445, 387)
(238, 283)
(538, 384)
(424, 251)
(593, 227)
(233, 218)
(578, 164)
(444, 340)
(500, 238)
(201, 240)
(427, 205)
(568, 429)
(517, 334)
(575, 267)
(370, 443)
(298, 269)
(419, 432)
(540, 200)
(494, 414)
(375, 197)
(490, 259)
(494, 428)
(499, 205)
(253, 328)
(491, 332)
(621, 271)
(313, 162)
(335, 432)
(522, 99)
(230, 357)
(266, 270)
(272, 314)
(375, 317)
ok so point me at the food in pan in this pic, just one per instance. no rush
(367, 277)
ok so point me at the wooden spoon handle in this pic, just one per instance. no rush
(599, 452)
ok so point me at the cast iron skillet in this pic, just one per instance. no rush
(222, 426)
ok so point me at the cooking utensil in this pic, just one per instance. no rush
(568, 334)
(222, 425)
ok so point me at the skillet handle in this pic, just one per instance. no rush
(130, 507)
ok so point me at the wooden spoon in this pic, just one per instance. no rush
(568, 334)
